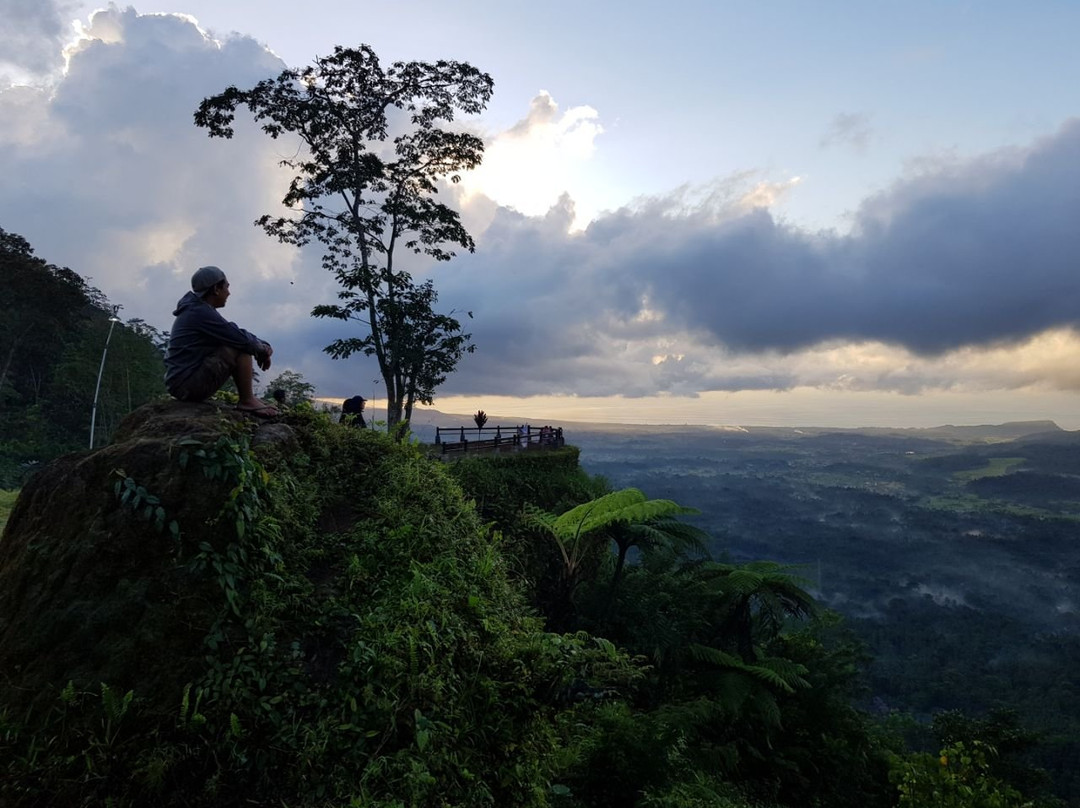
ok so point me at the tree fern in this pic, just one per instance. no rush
(756, 600)
(779, 673)
(627, 518)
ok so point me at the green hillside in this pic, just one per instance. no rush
(217, 611)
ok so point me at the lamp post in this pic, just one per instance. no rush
(97, 389)
(374, 392)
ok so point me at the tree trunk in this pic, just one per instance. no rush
(616, 577)
(393, 412)
(410, 401)
(7, 363)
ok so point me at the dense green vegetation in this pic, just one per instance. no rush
(312, 646)
(750, 693)
(52, 335)
(995, 467)
(338, 620)
(953, 561)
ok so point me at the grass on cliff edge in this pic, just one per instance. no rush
(7, 502)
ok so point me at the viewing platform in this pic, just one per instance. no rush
(464, 439)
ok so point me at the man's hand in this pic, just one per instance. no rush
(263, 359)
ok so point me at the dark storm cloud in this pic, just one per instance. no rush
(971, 255)
(33, 33)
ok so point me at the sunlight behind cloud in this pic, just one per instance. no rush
(1043, 363)
(801, 406)
(104, 27)
(529, 166)
(767, 194)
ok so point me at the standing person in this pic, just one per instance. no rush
(205, 349)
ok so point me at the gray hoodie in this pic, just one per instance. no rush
(198, 332)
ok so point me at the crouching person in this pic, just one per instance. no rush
(205, 349)
(352, 412)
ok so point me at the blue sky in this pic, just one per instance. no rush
(831, 213)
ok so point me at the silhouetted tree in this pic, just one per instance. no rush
(372, 155)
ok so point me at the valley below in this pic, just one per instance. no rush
(952, 553)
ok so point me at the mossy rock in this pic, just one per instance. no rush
(89, 590)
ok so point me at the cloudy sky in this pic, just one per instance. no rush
(715, 212)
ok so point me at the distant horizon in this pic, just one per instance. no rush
(791, 409)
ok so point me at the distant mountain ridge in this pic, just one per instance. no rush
(1010, 430)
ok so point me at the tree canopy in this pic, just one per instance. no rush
(292, 385)
(374, 146)
(52, 335)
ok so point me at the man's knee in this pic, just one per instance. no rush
(215, 370)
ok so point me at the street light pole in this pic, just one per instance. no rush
(97, 389)
(374, 392)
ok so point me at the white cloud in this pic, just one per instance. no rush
(529, 166)
(108, 174)
(32, 35)
(767, 194)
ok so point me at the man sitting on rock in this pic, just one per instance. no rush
(205, 349)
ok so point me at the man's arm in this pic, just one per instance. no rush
(221, 330)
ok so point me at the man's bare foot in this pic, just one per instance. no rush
(258, 408)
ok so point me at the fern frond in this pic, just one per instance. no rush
(775, 678)
(713, 656)
(793, 673)
(572, 521)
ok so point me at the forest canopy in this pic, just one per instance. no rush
(52, 336)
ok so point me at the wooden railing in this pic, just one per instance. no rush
(472, 439)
